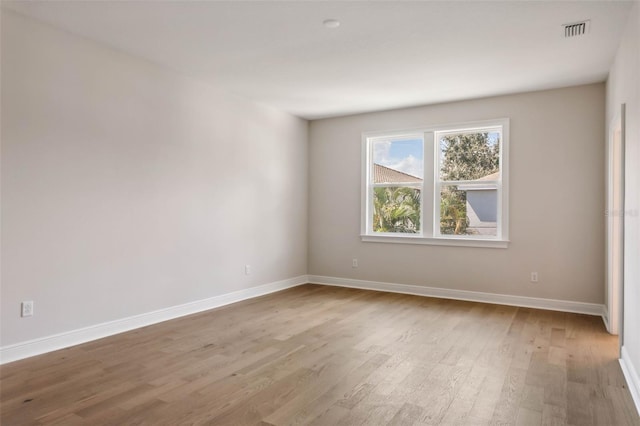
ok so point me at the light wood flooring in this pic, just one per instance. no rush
(333, 356)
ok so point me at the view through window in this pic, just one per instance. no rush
(397, 170)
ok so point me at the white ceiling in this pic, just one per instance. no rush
(384, 54)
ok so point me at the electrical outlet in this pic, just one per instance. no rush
(354, 263)
(247, 269)
(534, 277)
(27, 308)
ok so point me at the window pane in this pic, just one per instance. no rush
(469, 155)
(398, 160)
(469, 210)
(396, 209)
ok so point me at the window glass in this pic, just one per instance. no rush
(396, 209)
(468, 155)
(402, 160)
(396, 171)
(468, 210)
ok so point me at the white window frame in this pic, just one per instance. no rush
(430, 188)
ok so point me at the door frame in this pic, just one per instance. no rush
(615, 223)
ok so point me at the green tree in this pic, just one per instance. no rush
(469, 156)
(465, 156)
(453, 212)
(396, 209)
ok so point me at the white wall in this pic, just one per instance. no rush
(623, 86)
(127, 188)
(556, 200)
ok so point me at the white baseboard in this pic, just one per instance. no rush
(472, 296)
(631, 375)
(75, 337)
(605, 318)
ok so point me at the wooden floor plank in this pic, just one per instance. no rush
(317, 355)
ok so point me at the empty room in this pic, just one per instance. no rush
(320, 212)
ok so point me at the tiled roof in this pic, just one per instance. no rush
(479, 187)
(382, 174)
(492, 176)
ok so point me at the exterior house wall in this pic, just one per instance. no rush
(482, 210)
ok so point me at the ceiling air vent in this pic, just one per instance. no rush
(576, 29)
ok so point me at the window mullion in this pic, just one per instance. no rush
(427, 185)
(499, 214)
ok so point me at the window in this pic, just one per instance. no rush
(437, 185)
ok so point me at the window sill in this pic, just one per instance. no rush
(456, 242)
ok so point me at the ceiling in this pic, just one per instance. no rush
(384, 55)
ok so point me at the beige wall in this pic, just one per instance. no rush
(623, 86)
(127, 188)
(556, 200)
